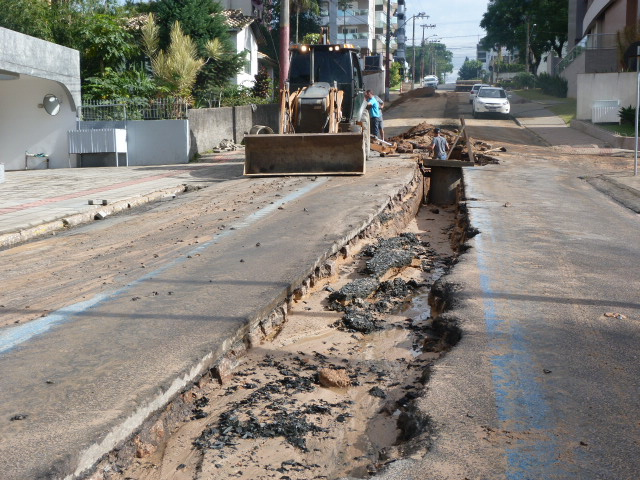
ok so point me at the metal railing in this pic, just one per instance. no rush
(597, 41)
(135, 109)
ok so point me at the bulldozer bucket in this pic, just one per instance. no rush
(304, 154)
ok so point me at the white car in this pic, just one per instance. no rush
(430, 81)
(474, 90)
(491, 100)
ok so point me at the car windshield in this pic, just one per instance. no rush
(492, 93)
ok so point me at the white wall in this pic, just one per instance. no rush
(245, 40)
(604, 86)
(26, 128)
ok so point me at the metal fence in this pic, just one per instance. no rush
(137, 109)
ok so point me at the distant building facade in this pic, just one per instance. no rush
(363, 24)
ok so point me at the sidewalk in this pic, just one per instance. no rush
(37, 202)
(623, 187)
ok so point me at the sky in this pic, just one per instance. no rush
(457, 25)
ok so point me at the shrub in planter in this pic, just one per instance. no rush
(627, 115)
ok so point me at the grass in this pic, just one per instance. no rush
(565, 108)
(625, 130)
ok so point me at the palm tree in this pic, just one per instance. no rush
(304, 6)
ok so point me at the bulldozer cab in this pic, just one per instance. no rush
(330, 63)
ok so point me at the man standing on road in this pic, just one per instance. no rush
(374, 112)
(439, 146)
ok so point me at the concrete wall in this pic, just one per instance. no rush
(31, 56)
(209, 126)
(38, 68)
(24, 127)
(604, 86)
(571, 75)
(149, 142)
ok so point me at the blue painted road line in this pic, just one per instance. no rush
(520, 401)
(13, 336)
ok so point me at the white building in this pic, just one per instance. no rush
(363, 24)
(244, 35)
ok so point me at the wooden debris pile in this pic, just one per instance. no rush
(418, 138)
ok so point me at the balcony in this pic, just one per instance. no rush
(600, 51)
(348, 17)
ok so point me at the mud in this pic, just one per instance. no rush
(277, 418)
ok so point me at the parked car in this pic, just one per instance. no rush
(491, 100)
(430, 81)
(474, 90)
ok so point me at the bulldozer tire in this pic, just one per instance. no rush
(366, 129)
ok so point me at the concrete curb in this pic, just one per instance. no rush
(50, 227)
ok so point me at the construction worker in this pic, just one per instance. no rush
(439, 146)
(375, 113)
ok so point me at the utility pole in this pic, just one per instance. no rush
(413, 44)
(284, 42)
(424, 25)
(387, 77)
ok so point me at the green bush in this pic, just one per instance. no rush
(523, 80)
(231, 96)
(627, 115)
(553, 85)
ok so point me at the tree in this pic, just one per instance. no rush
(31, 17)
(177, 67)
(303, 6)
(506, 23)
(200, 20)
(470, 69)
(262, 84)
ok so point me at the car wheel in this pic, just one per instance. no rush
(474, 113)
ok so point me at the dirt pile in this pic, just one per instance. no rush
(418, 138)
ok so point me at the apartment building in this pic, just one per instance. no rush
(363, 23)
(592, 37)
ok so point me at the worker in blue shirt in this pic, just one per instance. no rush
(374, 112)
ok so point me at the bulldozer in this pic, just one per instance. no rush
(323, 120)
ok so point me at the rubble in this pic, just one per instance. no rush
(418, 138)
(226, 146)
(329, 377)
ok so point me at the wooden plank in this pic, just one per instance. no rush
(468, 140)
(455, 142)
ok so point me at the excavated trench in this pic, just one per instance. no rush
(329, 390)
